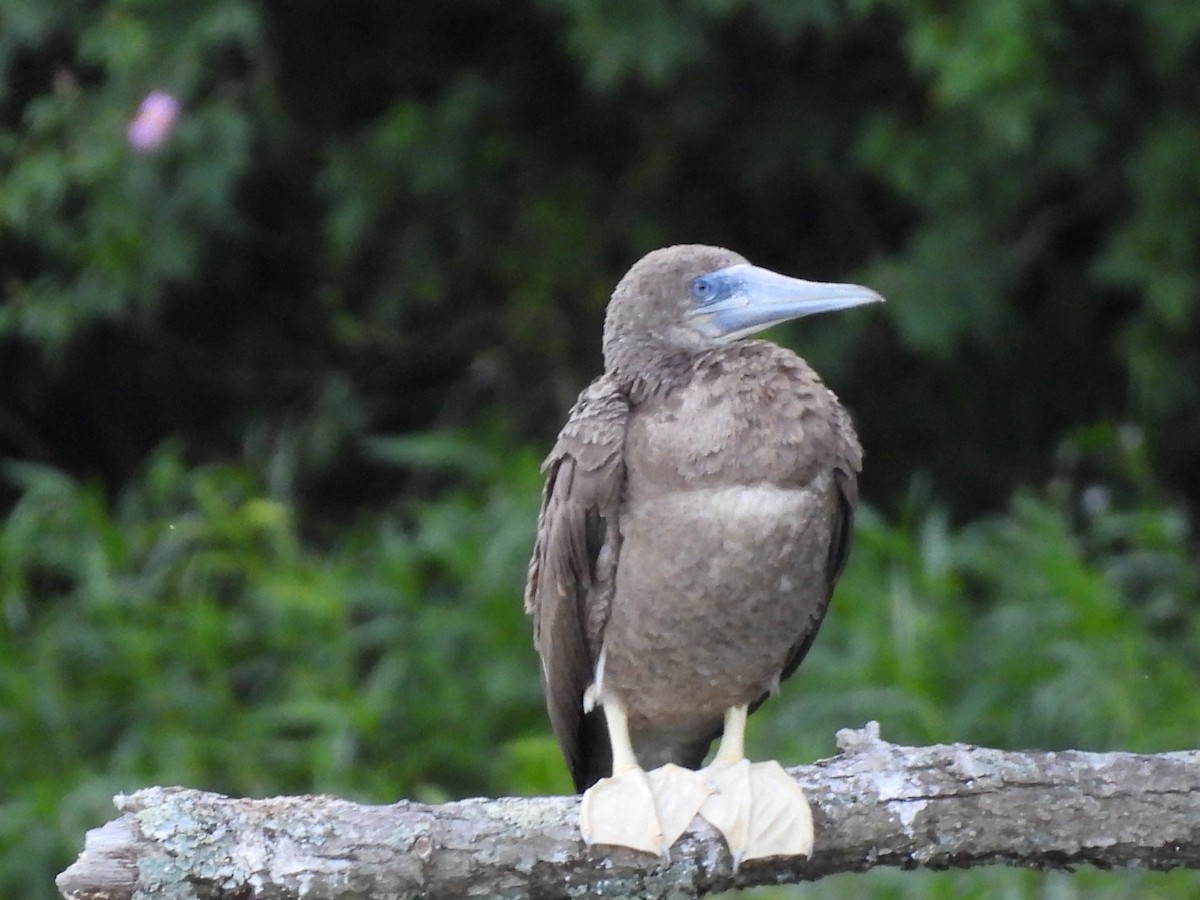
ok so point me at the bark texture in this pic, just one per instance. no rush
(875, 804)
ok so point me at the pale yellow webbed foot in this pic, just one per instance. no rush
(644, 811)
(759, 809)
(678, 794)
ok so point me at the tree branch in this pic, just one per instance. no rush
(876, 804)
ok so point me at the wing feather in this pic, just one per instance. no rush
(847, 463)
(571, 574)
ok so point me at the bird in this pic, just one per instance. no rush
(696, 514)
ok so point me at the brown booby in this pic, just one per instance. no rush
(696, 514)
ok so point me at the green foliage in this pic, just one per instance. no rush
(108, 231)
(1016, 631)
(1013, 176)
(263, 531)
(185, 633)
(1065, 622)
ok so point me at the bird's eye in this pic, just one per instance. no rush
(703, 289)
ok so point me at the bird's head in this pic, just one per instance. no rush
(687, 298)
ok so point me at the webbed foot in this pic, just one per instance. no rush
(759, 809)
(646, 811)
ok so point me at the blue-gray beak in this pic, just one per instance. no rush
(740, 300)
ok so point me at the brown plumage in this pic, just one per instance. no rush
(696, 512)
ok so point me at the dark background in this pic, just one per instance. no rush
(272, 398)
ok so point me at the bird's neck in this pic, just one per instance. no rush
(641, 380)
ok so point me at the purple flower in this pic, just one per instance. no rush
(153, 123)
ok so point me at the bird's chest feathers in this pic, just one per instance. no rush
(724, 428)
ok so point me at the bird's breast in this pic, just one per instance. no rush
(771, 422)
(726, 520)
(714, 588)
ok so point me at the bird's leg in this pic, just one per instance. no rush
(757, 806)
(732, 748)
(633, 808)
